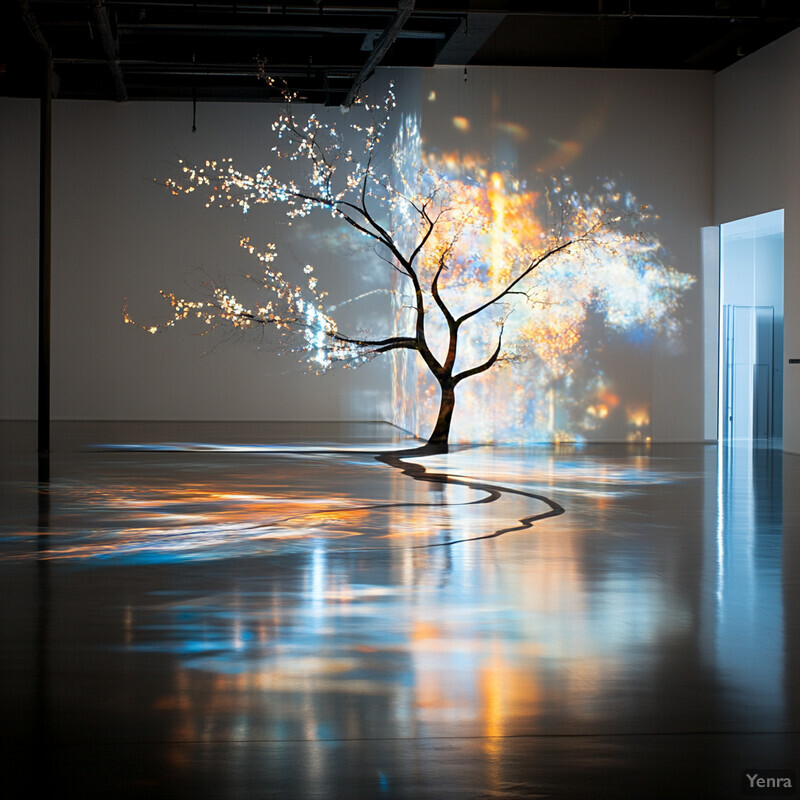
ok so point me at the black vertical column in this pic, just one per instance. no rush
(45, 164)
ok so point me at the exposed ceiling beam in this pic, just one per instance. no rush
(471, 34)
(111, 49)
(386, 40)
(32, 25)
(157, 48)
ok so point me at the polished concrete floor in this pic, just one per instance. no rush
(278, 611)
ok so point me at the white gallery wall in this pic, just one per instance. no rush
(757, 169)
(117, 235)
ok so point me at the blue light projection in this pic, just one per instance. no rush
(342, 622)
(437, 502)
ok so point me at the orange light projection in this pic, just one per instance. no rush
(616, 291)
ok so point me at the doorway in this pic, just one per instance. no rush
(751, 330)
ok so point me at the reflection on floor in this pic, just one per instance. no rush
(225, 611)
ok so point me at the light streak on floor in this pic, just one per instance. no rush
(272, 620)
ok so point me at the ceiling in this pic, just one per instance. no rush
(128, 50)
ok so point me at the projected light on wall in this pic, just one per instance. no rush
(564, 284)
(567, 330)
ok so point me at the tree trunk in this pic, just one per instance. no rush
(441, 431)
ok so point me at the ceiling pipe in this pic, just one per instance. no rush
(242, 8)
(176, 29)
(202, 68)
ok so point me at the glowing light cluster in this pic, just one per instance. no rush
(321, 148)
(336, 181)
(295, 313)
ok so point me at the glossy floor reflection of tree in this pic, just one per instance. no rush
(291, 617)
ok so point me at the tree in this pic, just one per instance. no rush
(435, 235)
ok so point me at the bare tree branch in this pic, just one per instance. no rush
(468, 373)
(524, 274)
